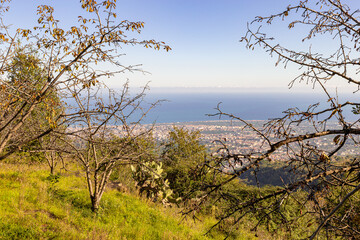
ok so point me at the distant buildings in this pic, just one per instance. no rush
(239, 139)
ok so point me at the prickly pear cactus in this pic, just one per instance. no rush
(151, 180)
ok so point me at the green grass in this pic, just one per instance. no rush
(34, 206)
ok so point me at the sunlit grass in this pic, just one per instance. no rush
(36, 206)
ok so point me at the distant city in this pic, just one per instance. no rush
(239, 139)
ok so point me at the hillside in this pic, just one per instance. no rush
(36, 206)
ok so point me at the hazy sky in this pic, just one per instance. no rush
(204, 36)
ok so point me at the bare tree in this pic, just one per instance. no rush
(80, 56)
(325, 193)
(52, 147)
(106, 134)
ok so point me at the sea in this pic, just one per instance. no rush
(201, 106)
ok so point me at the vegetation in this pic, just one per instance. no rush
(26, 77)
(36, 205)
(101, 142)
(72, 61)
(323, 189)
(182, 155)
(274, 174)
(54, 100)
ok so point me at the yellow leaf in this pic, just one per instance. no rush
(336, 139)
(324, 157)
(333, 112)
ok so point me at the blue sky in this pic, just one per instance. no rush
(204, 36)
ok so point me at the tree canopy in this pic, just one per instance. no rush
(182, 155)
(71, 59)
(54, 94)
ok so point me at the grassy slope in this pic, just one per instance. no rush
(32, 206)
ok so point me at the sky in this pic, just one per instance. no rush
(204, 36)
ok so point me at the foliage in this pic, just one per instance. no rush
(323, 189)
(121, 173)
(72, 59)
(35, 206)
(26, 77)
(181, 156)
(27, 71)
(151, 179)
(74, 63)
(347, 212)
(275, 174)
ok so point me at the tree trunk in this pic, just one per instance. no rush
(95, 200)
